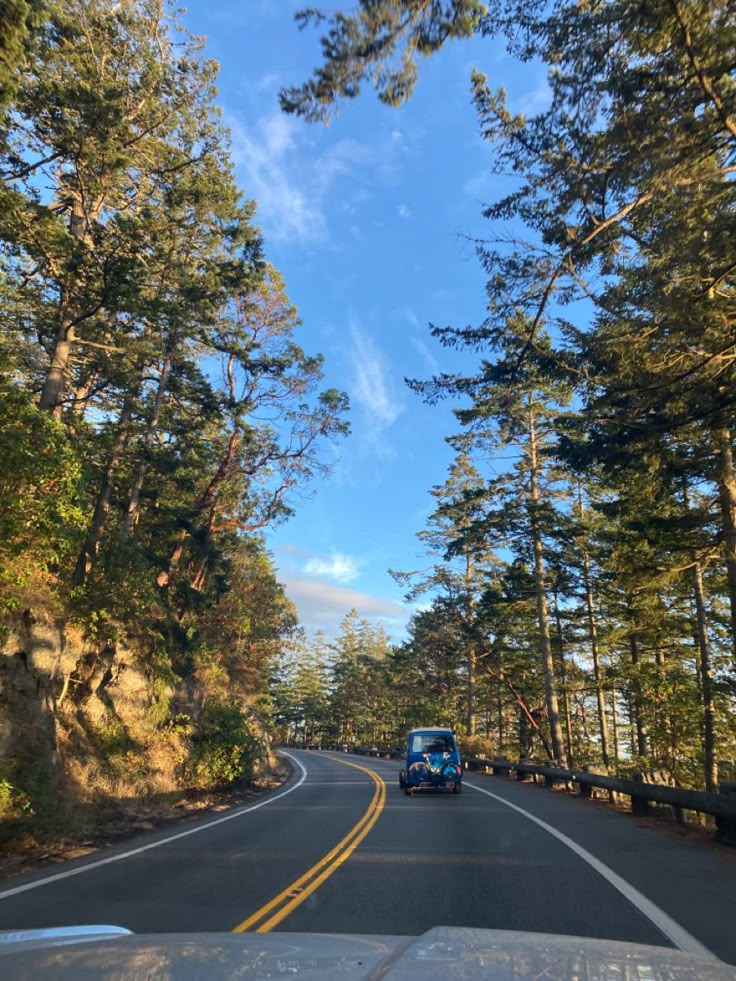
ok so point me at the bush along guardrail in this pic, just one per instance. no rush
(721, 806)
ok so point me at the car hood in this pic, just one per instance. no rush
(443, 952)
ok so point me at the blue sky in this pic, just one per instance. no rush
(367, 219)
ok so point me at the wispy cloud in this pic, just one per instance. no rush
(404, 211)
(270, 82)
(290, 183)
(342, 568)
(409, 316)
(322, 605)
(429, 359)
(480, 185)
(284, 208)
(535, 100)
(373, 389)
(293, 179)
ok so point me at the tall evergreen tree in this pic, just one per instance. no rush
(513, 405)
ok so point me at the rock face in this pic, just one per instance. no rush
(36, 658)
(68, 711)
(85, 723)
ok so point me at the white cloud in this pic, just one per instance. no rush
(269, 82)
(404, 211)
(408, 314)
(429, 359)
(285, 209)
(341, 567)
(289, 184)
(372, 388)
(293, 180)
(536, 100)
(322, 605)
(480, 185)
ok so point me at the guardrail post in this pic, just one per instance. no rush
(639, 806)
(726, 827)
(584, 789)
(522, 775)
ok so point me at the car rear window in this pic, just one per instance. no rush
(432, 742)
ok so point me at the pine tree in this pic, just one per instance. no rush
(513, 405)
(460, 577)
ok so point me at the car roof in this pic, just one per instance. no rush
(431, 729)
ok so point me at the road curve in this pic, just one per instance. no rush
(478, 861)
(340, 849)
(209, 876)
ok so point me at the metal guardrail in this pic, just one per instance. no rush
(721, 806)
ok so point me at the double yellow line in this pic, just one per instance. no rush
(278, 908)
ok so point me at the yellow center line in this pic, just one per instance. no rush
(303, 887)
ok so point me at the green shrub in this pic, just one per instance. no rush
(224, 748)
(113, 737)
(14, 802)
(41, 516)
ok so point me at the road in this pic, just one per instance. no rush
(340, 849)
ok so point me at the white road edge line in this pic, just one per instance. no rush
(672, 930)
(155, 844)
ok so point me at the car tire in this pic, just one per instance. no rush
(457, 789)
(401, 781)
(407, 791)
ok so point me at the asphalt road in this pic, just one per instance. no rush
(340, 849)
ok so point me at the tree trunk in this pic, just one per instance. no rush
(595, 652)
(662, 722)
(501, 722)
(133, 508)
(550, 687)
(91, 546)
(706, 680)
(642, 734)
(632, 725)
(563, 679)
(614, 726)
(164, 577)
(496, 655)
(200, 574)
(727, 493)
(471, 659)
(594, 648)
(56, 377)
(580, 699)
(470, 719)
(527, 721)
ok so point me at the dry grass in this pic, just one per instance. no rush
(83, 827)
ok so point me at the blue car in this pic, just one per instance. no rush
(432, 762)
